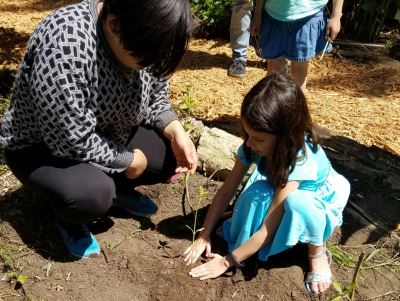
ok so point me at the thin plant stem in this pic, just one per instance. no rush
(355, 276)
(187, 191)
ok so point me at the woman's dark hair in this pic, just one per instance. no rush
(156, 32)
(276, 105)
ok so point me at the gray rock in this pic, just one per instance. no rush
(217, 152)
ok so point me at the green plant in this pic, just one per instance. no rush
(188, 102)
(202, 195)
(4, 103)
(7, 259)
(348, 292)
(113, 246)
(214, 17)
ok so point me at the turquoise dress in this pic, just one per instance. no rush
(311, 212)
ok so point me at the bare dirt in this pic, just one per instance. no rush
(357, 101)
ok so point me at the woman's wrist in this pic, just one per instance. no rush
(173, 129)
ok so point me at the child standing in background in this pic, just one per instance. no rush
(293, 196)
(294, 30)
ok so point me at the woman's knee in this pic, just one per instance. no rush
(83, 198)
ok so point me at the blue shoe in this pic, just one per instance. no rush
(136, 204)
(78, 240)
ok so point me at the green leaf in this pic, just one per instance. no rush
(352, 286)
(337, 286)
(22, 278)
(397, 15)
(370, 256)
(337, 298)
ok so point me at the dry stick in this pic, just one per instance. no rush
(385, 294)
(357, 270)
(105, 253)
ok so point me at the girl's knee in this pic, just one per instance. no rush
(297, 201)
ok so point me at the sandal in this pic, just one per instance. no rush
(317, 276)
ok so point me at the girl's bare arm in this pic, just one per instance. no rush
(271, 223)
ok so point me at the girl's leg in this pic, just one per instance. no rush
(319, 263)
(299, 72)
(276, 66)
(308, 222)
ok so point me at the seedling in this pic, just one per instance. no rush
(188, 102)
(202, 194)
(348, 292)
(112, 247)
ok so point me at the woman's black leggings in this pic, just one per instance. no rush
(79, 192)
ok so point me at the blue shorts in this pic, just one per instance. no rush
(299, 40)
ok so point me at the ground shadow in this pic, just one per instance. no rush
(34, 223)
(200, 60)
(375, 186)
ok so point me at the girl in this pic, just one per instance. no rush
(296, 30)
(294, 195)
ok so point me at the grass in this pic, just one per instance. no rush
(4, 103)
(111, 247)
(376, 259)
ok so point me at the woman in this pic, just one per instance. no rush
(89, 117)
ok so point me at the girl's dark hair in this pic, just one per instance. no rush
(156, 32)
(276, 105)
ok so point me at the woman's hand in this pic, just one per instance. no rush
(196, 249)
(212, 269)
(138, 164)
(183, 148)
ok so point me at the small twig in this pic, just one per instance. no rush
(326, 47)
(211, 176)
(357, 270)
(385, 294)
(105, 253)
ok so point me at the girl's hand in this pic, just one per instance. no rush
(255, 26)
(332, 28)
(212, 269)
(196, 249)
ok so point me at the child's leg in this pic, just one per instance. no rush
(318, 263)
(299, 72)
(303, 210)
(276, 66)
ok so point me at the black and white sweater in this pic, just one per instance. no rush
(73, 95)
